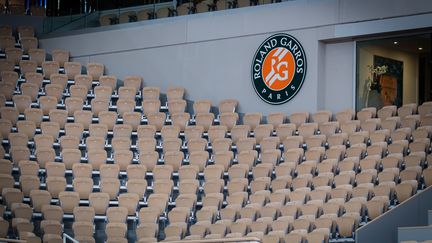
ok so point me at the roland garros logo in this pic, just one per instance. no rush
(278, 69)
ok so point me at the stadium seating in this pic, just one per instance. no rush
(79, 147)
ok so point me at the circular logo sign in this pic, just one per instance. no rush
(278, 69)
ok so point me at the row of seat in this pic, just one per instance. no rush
(183, 9)
(241, 172)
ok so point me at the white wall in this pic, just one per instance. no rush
(210, 54)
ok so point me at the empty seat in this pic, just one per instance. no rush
(95, 70)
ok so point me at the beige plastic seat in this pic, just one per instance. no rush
(82, 228)
(111, 186)
(95, 143)
(151, 93)
(39, 198)
(117, 214)
(28, 43)
(157, 120)
(82, 170)
(59, 116)
(55, 185)
(123, 158)
(151, 106)
(227, 105)
(61, 56)
(44, 155)
(108, 118)
(14, 55)
(26, 66)
(176, 106)
(180, 119)
(71, 157)
(205, 120)
(132, 119)
(95, 70)
(68, 201)
(50, 67)
(103, 92)
(134, 81)
(99, 201)
(72, 69)
(83, 186)
(137, 186)
(202, 106)
(84, 79)
(70, 141)
(98, 105)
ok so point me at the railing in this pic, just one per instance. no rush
(67, 238)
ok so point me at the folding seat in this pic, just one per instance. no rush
(29, 90)
(117, 214)
(43, 141)
(18, 139)
(174, 158)
(420, 145)
(171, 131)
(123, 158)
(95, 143)
(227, 105)
(55, 185)
(158, 202)
(72, 69)
(19, 153)
(137, 186)
(389, 124)
(375, 208)
(27, 128)
(149, 159)
(99, 105)
(346, 226)
(146, 144)
(245, 144)
(51, 227)
(237, 185)
(95, 70)
(133, 81)
(151, 106)
(180, 119)
(132, 119)
(9, 77)
(196, 144)
(108, 118)
(270, 156)
(239, 131)
(51, 129)
(82, 228)
(55, 169)
(99, 201)
(252, 120)
(6, 167)
(9, 113)
(26, 66)
(292, 142)
(201, 106)
(44, 155)
(176, 106)
(127, 93)
(187, 173)
(13, 54)
(5, 127)
(28, 43)
(199, 159)
(83, 79)
(7, 90)
(21, 210)
(405, 190)
(69, 141)
(307, 129)
(120, 143)
(109, 171)
(84, 186)
(50, 67)
(400, 134)
(98, 130)
(71, 157)
(228, 119)
(220, 144)
(6, 42)
(58, 116)
(52, 212)
(10, 195)
(122, 130)
(116, 231)
(205, 120)
(61, 56)
(151, 93)
(82, 170)
(111, 186)
(215, 186)
(47, 103)
(146, 232)
(103, 92)
(39, 198)
(411, 121)
(315, 141)
(156, 119)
